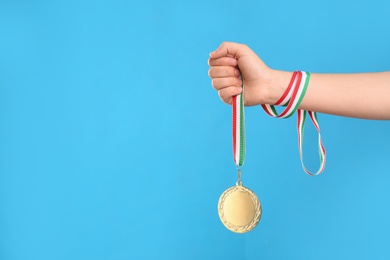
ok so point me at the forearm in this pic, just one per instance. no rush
(364, 95)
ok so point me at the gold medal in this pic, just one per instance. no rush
(239, 209)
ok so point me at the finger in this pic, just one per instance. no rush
(223, 72)
(230, 49)
(226, 94)
(224, 61)
(220, 83)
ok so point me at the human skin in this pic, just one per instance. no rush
(360, 95)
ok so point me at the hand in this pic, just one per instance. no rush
(260, 88)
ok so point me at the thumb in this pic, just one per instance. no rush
(230, 49)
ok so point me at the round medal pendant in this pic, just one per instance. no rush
(239, 209)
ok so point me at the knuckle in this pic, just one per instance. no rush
(244, 46)
(210, 73)
(222, 95)
(214, 83)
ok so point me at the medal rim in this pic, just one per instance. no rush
(256, 204)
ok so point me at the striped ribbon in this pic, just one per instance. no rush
(238, 129)
(292, 98)
(321, 149)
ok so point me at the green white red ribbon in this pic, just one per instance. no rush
(292, 98)
(300, 125)
(238, 129)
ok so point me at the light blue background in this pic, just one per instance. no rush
(114, 145)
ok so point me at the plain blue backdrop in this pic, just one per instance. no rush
(114, 145)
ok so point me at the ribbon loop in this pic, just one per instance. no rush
(293, 97)
(321, 148)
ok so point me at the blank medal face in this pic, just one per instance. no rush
(239, 209)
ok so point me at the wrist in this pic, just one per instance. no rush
(277, 84)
